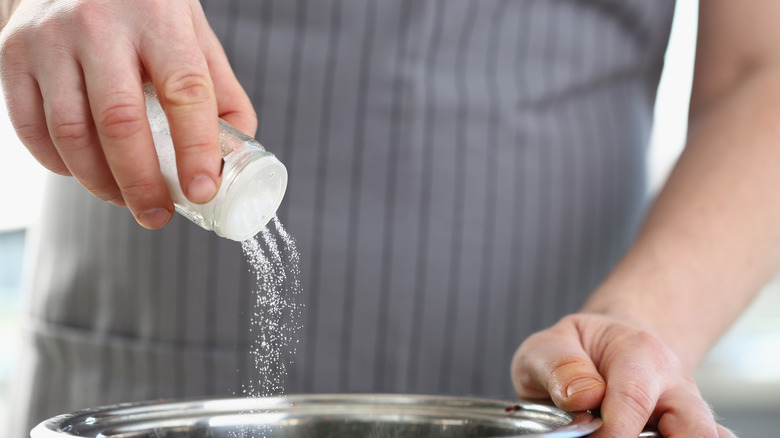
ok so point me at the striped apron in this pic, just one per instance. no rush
(462, 174)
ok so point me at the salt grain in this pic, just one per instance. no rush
(275, 322)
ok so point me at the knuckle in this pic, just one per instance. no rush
(121, 120)
(55, 164)
(251, 117)
(58, 168)
(188, 153)
(92, 18)
(139, 188)
(689, 384)
(38, 142)
(650, 348)
(186, 88)
(13, 50)
(32, 135)
(659, 353)
(638, 399)
(560, 366)
(70, 134)
(107, 192)
(645, 338)
(101, 186)
(156, 8)
(99, 189)
(703, 428)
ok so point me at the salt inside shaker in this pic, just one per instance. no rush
(253, 179)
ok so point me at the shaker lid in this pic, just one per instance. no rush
(252, 198)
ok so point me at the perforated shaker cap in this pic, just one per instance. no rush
(251, 198)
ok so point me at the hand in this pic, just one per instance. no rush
(587, 360)
(72, 72)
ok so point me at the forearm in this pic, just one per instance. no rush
(712, 238)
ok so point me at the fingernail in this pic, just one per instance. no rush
(201, 189)
(582, 384)
(154, 218)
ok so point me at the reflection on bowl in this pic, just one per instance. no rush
(322, 415)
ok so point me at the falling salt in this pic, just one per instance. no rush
(275, 319)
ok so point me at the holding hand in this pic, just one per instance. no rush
(587, 361)
(72, 73)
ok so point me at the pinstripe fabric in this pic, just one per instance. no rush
(462, 174)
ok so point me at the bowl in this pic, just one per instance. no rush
(322, 416)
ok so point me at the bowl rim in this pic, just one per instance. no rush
(102, 418)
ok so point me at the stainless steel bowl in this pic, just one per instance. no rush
(322, 415)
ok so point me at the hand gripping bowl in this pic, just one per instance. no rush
(322, 416)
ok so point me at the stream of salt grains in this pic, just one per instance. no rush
(275, 322)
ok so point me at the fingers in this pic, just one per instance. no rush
(555, 363)
(632, 392)
(73, 133)
(685, 414)
(24, 101)
(645, 384)
(78, 104)
(181, 77)
(25, 110)
(587, 361)
(678, 411)
(117, 104)
(233, 103)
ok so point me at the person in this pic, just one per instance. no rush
(465, 177)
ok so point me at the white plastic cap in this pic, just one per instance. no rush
(252, 198)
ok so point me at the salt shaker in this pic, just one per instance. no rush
(253, 179)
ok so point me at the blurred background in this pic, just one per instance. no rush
(740, 377)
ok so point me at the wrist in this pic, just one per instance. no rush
(655, 296)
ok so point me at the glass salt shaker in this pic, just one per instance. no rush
(253, 179)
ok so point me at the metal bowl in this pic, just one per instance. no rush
(322, 415)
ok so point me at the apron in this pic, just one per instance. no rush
(461, 175)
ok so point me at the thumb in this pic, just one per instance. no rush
(554, 362)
